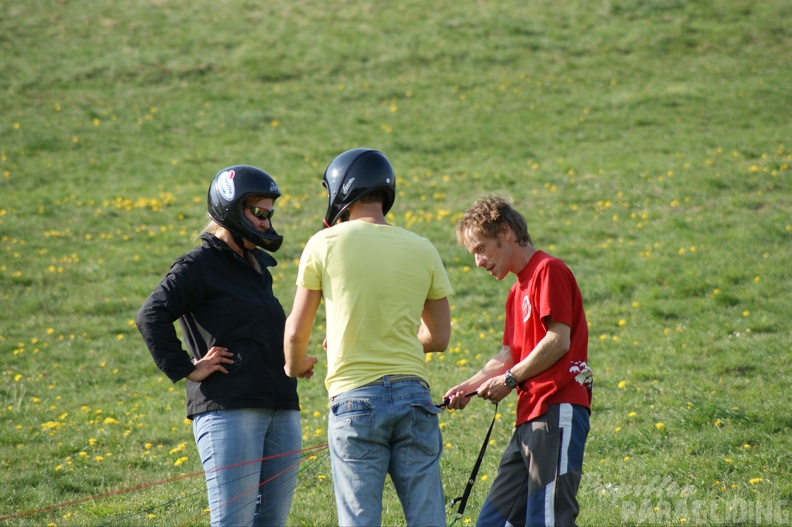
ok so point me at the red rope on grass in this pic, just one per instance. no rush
(188, 522)
(154, 484)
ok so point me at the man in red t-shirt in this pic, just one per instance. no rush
(545, 356)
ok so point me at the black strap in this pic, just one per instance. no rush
(464, 498)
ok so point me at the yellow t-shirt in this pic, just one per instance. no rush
(374, 280)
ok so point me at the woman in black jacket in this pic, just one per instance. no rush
(244, 409)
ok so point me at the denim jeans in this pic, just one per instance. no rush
(232, 444)
(391, 428)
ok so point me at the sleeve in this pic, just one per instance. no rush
(441, 285)
(180, 290)
(555, 293)
(508, 322)
(309, 273)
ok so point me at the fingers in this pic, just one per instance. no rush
(308, 364)
(457, 398)
(219, 354)
(493, 392)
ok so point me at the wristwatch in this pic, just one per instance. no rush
(510, 380)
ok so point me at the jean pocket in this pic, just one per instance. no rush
(426, 429)
(351, 428)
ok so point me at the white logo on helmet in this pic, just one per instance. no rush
(347, 186)
(225, 185)
(274, 188)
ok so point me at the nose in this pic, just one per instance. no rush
(479, 259)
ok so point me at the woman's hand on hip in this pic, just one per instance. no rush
(212, 362)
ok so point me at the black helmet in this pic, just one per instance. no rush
(229, 190)
(354, 174)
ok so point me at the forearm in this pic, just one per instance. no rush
(297, 333)
(295, 349)
(162, 341)
(497, 365)
(547, 352)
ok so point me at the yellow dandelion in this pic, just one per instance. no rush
(659, 426)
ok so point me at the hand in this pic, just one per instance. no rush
(494, 390)
(211, 362)
(458, 397)
(308, 364)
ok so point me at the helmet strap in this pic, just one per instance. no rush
(240, 241)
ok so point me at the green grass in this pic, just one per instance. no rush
(647, 143)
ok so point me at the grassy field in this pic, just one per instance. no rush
(647, 143)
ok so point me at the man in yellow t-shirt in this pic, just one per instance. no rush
(386, 302)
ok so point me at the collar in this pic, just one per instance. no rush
(264, 258)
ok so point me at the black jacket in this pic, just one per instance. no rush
(221, 299)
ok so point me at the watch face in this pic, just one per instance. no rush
(511, 382)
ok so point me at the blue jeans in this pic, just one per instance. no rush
(390, 428)
(244, 490)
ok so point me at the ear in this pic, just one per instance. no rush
(505, 233)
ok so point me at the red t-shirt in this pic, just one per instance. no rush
(546, 289)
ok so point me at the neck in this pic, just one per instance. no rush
(225, 235)
(522, 256)
(368, 212)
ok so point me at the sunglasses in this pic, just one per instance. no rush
(261, 213)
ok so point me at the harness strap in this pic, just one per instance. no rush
(462, 500)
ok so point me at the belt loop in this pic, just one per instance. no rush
(386, 381)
